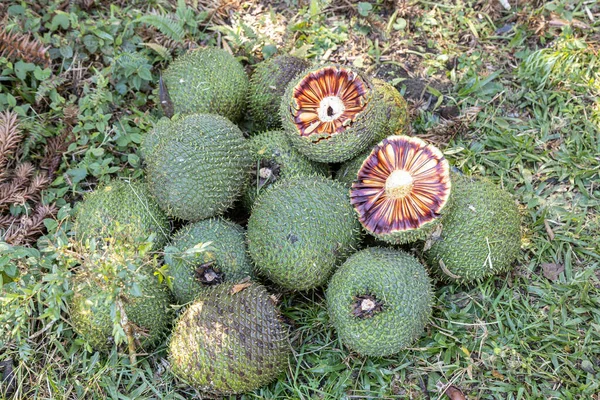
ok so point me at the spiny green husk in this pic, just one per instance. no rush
(348, 171)
(341, 146)
(400, 286)
(274, 156)
(229, 341)
(300, 229)
(122, 210)
(208, 80)
(480, 235)
(227, 257)
(151, 139)
(93, 302)
(197, 166)
(424, 232)
(396, 110)
(267, 85)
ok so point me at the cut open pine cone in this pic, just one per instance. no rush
(328, 100)
(330, 114)
(401, 189)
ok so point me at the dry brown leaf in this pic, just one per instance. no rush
(497, 375)
(23, 46)
(552, 270)
(549, 230)
(239, 287)
(455, 393)
(558, 22)
(435, 236)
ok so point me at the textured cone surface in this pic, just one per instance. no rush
(162, 126)
(481, 232)
(123, 210)
(348, 171)
(228, 256)
(395, 108)
(228, 343)
(331, 114)
(271, 151)
(401, 285)
(397, 123)
(401, 189)
(300, 230)
(207, 81)
(91, 310)
(267, 86)
(197, 166)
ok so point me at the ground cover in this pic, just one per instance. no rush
(513, 95)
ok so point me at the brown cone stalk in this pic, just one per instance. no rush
(402, 185)
(328, 100)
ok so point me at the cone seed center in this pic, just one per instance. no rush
(265, 173)
(210, 275)
(399, 184)
(367, 305)
(330, 108)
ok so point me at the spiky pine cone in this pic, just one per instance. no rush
(331, 113)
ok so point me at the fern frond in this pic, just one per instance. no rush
(131, 60)
(159, 49)
(166, 24)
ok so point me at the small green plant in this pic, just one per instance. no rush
(524, 83)
(315, 37)
(178, 257)
(571, 64)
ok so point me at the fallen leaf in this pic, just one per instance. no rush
(455, 393)
(497, 375)
(587, 366)
(505, 29)
(434, 237)
(244, 283)
(552, 270)
(447, 271)
(226, 47)
(470, 371)
(466, 351)
(165, 99)
(559, 23)
(579, 24)
(549, 230)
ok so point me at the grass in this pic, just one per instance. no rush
(526, 84)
